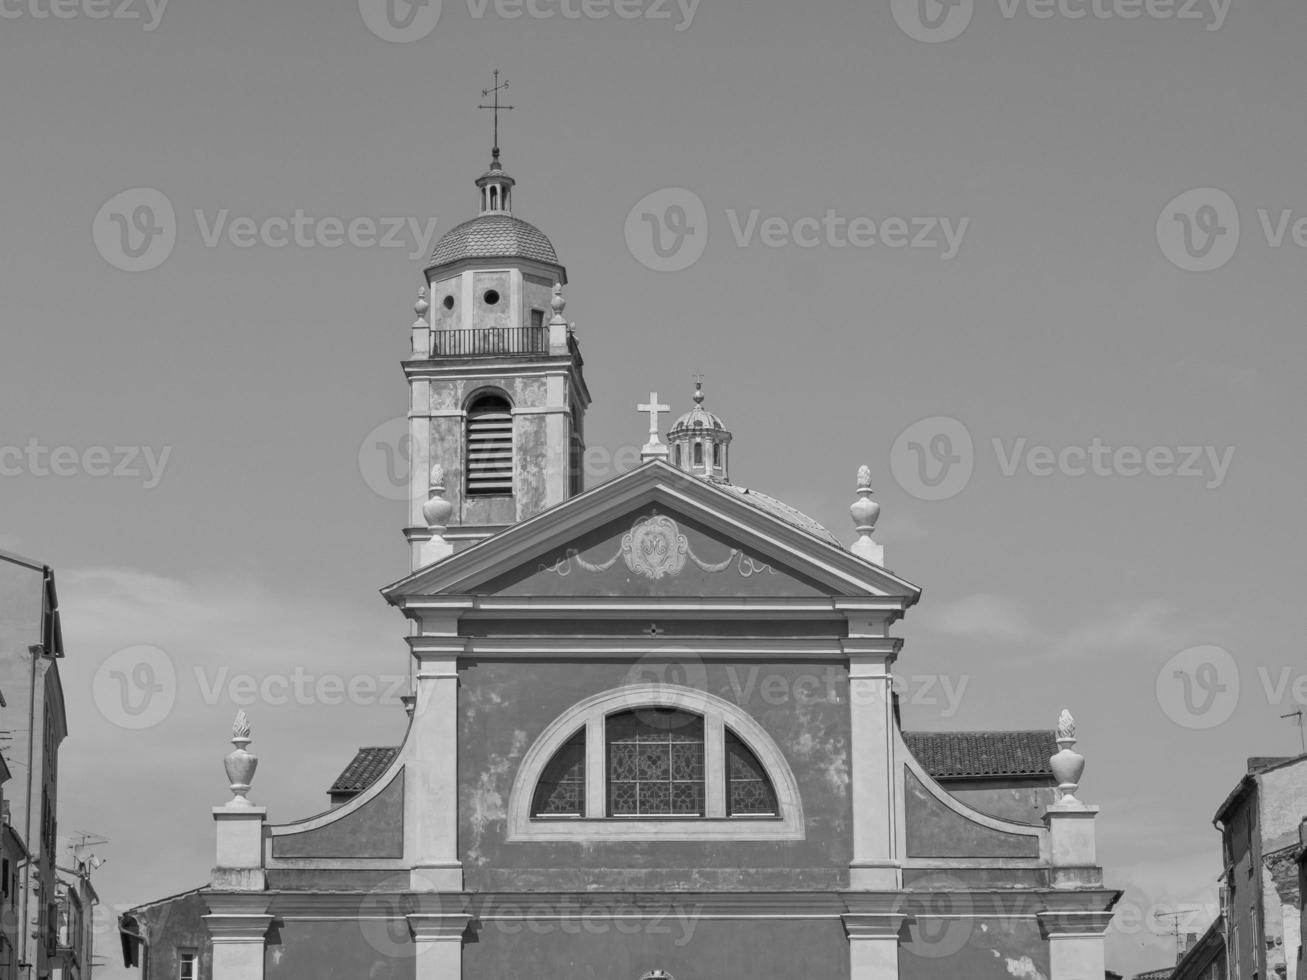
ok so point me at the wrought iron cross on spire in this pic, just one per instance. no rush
(494, 90)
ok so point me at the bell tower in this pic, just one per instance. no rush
(498, 397)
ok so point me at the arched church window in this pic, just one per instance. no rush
(561, 790)
(698, 454)
(489, 447)
(717, 454)
(748, 790)
(655, 762)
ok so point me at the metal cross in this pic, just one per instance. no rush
(496, 107)
(654, 409)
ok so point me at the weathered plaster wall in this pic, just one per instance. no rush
(935, 831)
(594, 948)
(560, 573)
(1019, 802)
(503, 707)
(367, 949)
(487, 315)
(172, 927)
(974, 949)
(375, 830)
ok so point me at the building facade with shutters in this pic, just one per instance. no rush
(652, 730)
(31, 646)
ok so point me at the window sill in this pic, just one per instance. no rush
(554, 829)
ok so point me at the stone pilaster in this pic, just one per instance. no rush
(1075, 942)
(873, 924)
(438, 944)
(238, 925)
(871, 765)
(432, 816)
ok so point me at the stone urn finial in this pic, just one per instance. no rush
(866, 512)
(240, 765)
(421, 307)
(437, 509)
(1067, 765)
(558, 303)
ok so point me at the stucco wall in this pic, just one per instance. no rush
(367, 949)
(974, 949)
(596, 949)
(503, 708)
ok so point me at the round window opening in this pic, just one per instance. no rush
(449, 302)
(491, 297)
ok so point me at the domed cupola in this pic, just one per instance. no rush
(700, 442)
(494, 234)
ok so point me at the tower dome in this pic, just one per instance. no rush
(699, 441)
(494, 233)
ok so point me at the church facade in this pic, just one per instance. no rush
(652, 730)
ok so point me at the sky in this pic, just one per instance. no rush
(1038, 264)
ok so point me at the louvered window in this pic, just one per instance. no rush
(489, 447)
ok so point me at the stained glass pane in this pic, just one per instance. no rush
(748, 791)
(561, 790)
(655, 763)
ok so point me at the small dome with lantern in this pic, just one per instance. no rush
(699, 441)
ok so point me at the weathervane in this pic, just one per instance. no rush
(497, 108)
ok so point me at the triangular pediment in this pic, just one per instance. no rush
(654, 532)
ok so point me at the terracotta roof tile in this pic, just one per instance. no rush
(494, 236)
(364, 769)
(983, 754)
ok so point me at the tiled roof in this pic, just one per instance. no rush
(782, 510)
(1163, 974)
(943, 754)
(978, 754)
(494, 236)
(364, 769)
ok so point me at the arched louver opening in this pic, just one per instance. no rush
(489, 447)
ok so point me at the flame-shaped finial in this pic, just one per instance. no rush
(1066, 725)
(240, 765)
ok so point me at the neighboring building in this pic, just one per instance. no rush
(1205, 959)
(12, 856)
(31, 645)
(652, 727)
(1259, 823)
(77, 899)
(1302, 894)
